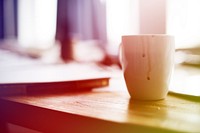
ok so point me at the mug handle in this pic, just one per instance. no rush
(120, 54)
(122, 57)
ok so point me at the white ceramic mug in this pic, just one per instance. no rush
(147, 62)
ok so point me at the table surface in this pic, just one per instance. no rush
(99, 110)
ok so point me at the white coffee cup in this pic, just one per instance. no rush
(147, 63)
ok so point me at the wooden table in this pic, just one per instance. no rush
(100, 111)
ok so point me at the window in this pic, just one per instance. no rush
(37, 20)
(37, 23)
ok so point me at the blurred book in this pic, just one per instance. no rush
(188, 56)
(186, 80)
(21, 75)
(51, 79)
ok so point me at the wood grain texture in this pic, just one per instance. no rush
(102, 111)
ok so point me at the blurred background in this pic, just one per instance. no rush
(91, 30)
